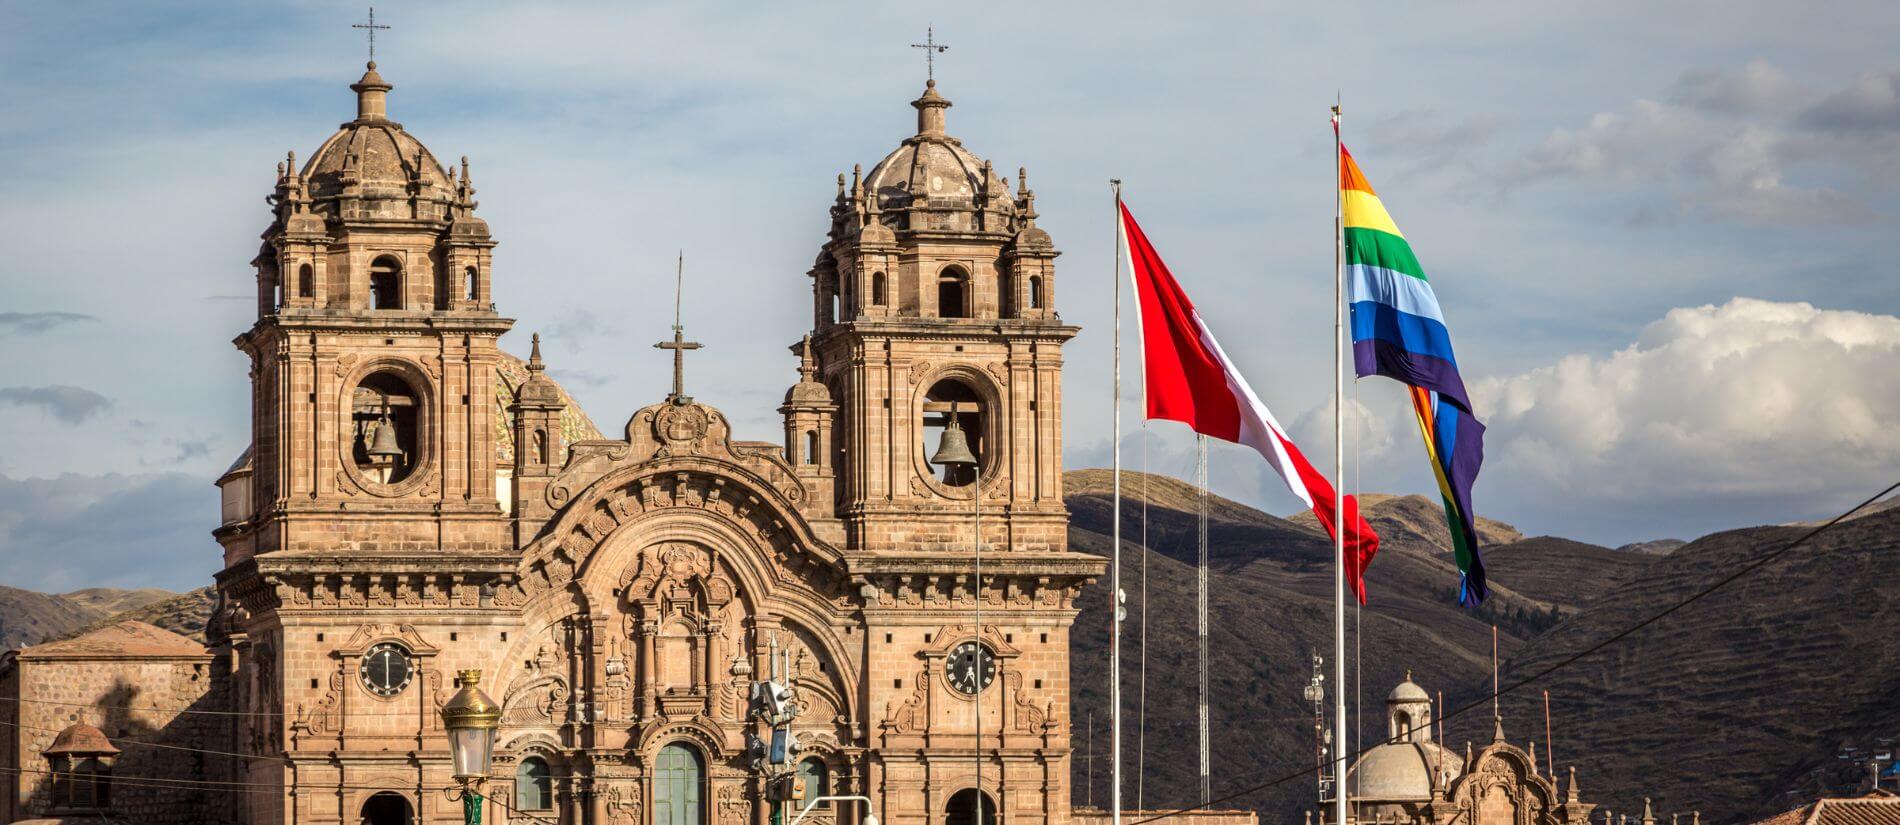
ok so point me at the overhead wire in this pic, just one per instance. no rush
(1744, 570)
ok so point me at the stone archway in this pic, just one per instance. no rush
(969, 807)
(387, 808)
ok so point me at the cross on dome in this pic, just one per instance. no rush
(370, 27)
(931, 49)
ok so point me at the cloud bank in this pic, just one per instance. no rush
(1785, 404)
(67, 404)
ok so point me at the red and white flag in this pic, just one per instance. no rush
(1190, 380)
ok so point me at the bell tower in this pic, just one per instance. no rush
(936, 292)
(373, 355)
(930, 409)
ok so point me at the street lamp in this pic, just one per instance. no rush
(471, 718)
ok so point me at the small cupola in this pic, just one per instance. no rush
(80, 761)
(372, 96)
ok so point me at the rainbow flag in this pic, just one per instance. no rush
(1399, 332)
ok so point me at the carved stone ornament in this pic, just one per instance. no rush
(681, 428)
(919, 369)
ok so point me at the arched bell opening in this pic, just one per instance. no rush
(953, 293)
(385, 414)
(385, 283)
(953, 413)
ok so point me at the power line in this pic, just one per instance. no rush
(1567, 661)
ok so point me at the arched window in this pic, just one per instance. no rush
(1402, 726)
(970, 807)
(306, 282)
(943, 397)
(811, 446)
(385, 415)
(677, 779)
(953, 299)
(1035, 292)
(534, 785)
(473, 284)
(385, 283)
(877, 289)
(814, 781)
(835, 317)
(541, 446)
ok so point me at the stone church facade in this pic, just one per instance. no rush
(416, 503)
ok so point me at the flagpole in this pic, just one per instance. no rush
(1115, 553)
(1200, 574)
(1340, 746)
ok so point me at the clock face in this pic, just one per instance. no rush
(387, 669)
(971, 668)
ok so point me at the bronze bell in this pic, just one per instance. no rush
(383, 446)
(953, 450)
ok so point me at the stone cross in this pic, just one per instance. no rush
(931, 49)
(371, 27)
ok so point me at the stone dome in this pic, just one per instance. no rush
(932, 169)
(1401, 772)
(1408, 691)
(373, 160)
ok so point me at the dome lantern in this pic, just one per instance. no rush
(372, 95)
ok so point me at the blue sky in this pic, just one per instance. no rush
(1592, 188)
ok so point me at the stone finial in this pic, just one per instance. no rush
(841, 186)
(857, 180)
(280, 170)
(805, 367)
(1533, 758)
(1022, 179)
(465, 178)
(1497, 729)
(1649, 813)
(930, 108)
(534, 355)
(1571, 793)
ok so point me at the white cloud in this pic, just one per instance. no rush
(1727, 148)
(1748, 401)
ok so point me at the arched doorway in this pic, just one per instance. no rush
(677, 778)
(962, 808)
(388, 808)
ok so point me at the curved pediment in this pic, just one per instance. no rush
(708, 486)
(667, 431)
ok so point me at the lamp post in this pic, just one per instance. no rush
(471, 719)
(953, 453)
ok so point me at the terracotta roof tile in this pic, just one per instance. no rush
(125, 639)
(1877, 808)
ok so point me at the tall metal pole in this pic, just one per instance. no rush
(1115, 554)
(1340, 743)
(1207, 765)
(976, 523)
